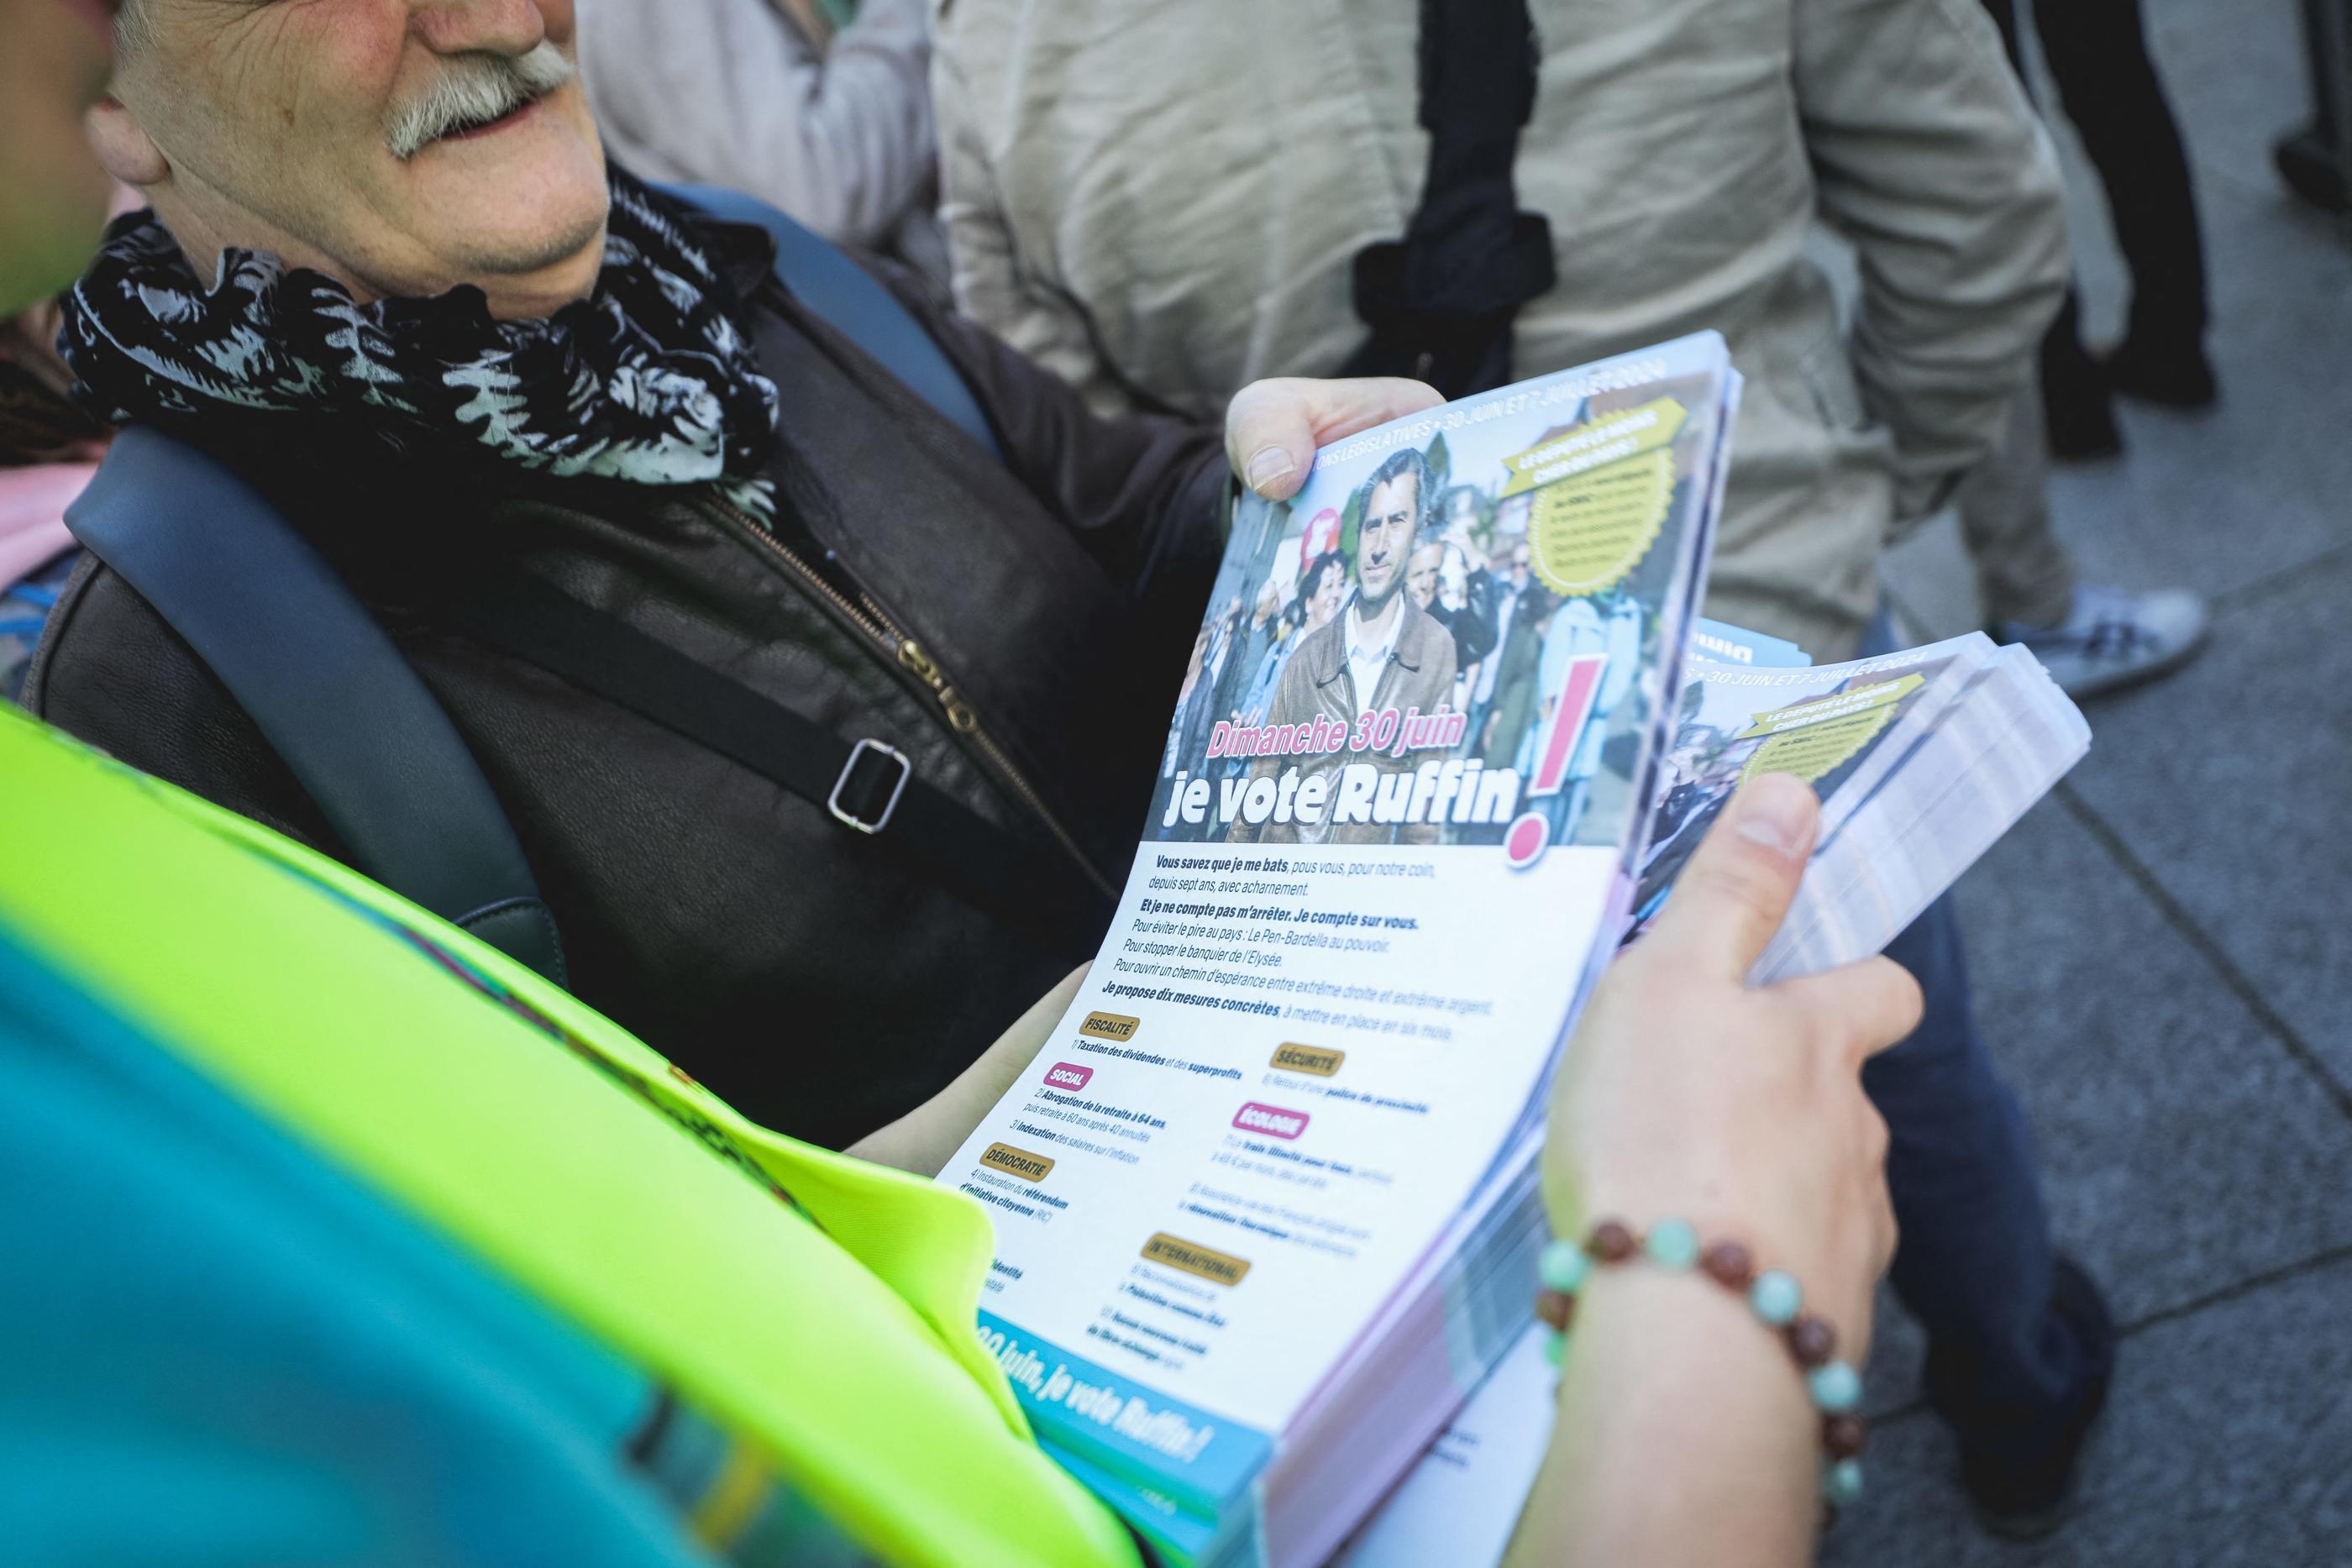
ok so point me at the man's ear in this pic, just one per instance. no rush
(123, 146)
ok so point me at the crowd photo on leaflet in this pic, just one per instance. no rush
(1390, 670)
(982, 783)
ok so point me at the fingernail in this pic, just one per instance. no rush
(1271, 464)
(1776, 811)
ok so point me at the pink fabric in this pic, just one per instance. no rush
(32, 504)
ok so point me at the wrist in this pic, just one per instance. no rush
(1829, 1258)
(1665, 1376)
(1774, 1297)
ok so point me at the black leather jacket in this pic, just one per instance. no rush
(1016, 628)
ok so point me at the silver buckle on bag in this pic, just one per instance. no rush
(905, 771)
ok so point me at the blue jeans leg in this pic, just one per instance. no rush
(1974, 1262)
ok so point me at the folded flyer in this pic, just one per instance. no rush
(1402, 797)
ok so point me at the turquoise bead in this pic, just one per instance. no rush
(1563, 1266)
(1836, 1386)
(1841, 1482)
(1777, 1296)
(1555, 1345)
(1672, 1244)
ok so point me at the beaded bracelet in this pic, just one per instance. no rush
(1775, 1297)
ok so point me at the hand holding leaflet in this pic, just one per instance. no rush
(1267, 1195)
(1683, 1433)
(1680, 1087)
(1917, 789)
(1357, 927)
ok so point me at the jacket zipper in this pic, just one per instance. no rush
(869, 618)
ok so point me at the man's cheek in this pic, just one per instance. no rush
(333, 64)
(556, 16)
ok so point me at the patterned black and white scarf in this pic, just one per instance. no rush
(647, 380)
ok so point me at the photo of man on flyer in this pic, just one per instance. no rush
(1382, 651)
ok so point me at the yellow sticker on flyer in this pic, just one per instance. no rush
(1609, 438)
(1602, 492)
(1813, 739)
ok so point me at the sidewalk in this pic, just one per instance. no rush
(2163, 949)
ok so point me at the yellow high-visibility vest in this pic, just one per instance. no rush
(821, 1308)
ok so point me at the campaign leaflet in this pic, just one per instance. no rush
(1460, 1503)
(1839, 727)
(1993, 752)
(1728, 645)
(1996, 749)
(1399, 789)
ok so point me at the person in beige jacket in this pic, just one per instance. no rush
(1114, 214)
(1162, 202)
(769, 98)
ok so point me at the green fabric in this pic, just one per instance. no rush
(844, 1347)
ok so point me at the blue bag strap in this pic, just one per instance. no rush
(310, 665)
(856, 305)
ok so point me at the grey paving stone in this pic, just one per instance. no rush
(2184, 1149)
(2224, 500)
(2219, 500)
(2230, 783)
(2180, 1146)
(2235, 75)
(2228, 1441)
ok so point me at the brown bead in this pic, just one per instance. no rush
(1842, 1434)
(1729, 1264)
(1610, 1242)
(1555, 1309)
(1811, 1341)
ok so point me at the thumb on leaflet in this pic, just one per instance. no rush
(1736, 891)
(1273, 427)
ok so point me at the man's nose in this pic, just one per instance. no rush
(478, 26)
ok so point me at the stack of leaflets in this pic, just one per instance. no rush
(1265, 1202)
(1922, 758)
(1459, 1505)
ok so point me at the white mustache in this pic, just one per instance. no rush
(474, 90)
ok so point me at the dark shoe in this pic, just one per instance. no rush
(2019, 1466)
(2307, 164)
(2176, 378)
(2081, 427)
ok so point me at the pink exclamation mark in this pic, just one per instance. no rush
(1527, 837)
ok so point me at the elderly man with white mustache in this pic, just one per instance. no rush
(389, 278)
